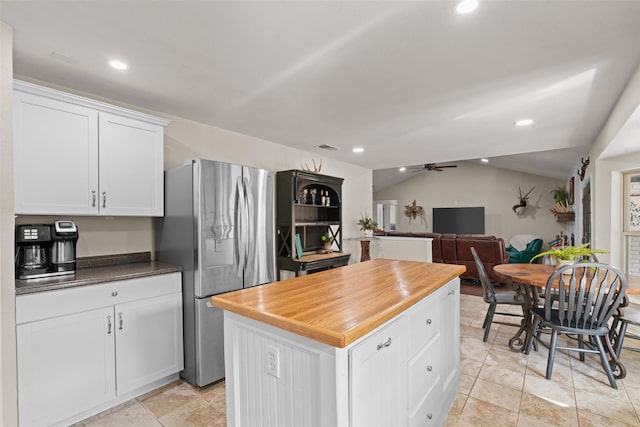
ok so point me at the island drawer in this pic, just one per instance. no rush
(424, 322)
(425, 371)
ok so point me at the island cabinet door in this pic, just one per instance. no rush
(450, 330)
(378, 369)
(148, 340)
(65, 366)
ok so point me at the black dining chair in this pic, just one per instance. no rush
(581, 303)
(494, 299)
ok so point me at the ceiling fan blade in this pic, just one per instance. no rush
(429, 167)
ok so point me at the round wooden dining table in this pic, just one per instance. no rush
(528, 279)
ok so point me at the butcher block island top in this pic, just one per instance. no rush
(338, 306)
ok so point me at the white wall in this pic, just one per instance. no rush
(605, 175)
(186, 139)
(472, 184)
(8, 381)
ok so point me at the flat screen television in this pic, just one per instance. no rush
(458, 220)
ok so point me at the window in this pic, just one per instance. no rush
(631, 231)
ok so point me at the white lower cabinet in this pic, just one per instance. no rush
(85, 348)
(65, 365)
(146, 336)
(404, 373)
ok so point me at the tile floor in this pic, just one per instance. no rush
(497, 388)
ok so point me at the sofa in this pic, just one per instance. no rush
(451, 248)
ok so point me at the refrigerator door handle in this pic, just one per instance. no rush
(240, 227)
(251, 226)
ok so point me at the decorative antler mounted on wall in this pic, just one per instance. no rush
(520, 207)
(316, 168)
(413, 210)
(583, 169)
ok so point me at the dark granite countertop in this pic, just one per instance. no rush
(95, 270)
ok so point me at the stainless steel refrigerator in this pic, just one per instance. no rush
(219, 226)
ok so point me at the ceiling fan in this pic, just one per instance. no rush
(431, 167)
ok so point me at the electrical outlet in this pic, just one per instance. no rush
(273, 361)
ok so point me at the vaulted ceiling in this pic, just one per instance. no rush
(411, 82)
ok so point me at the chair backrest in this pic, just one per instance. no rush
(488, 292)
(587, 294)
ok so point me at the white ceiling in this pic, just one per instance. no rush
(410, 81)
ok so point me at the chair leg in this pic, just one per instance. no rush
(488, 319)
(605, 362)
(552, 352)
(581, 345)
(612, 329)
(530, 338)
(620, 338)
(486, 316)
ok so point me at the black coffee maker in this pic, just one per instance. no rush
(44, 250)
(33, 244)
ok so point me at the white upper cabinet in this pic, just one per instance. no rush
(56, 156)
(76, 156)
(131, 167)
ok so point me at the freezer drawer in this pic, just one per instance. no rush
(209, 343)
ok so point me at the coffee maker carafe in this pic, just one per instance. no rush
(64, 235)
(33, 244)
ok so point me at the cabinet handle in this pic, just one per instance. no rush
(108, 325)
(104, 199)
(93, 202)
(385, 344)
(429, 368)
(114, 294)
(429, 415)
(120, 320)
(428, 321)
(452, 292)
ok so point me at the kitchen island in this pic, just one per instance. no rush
(369, 344)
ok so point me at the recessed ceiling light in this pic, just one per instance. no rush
(484, 160)
(402, 169)
(466, 6)
(118, 65)
(358, 150)
(523, 122)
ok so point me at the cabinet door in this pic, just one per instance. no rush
(66, 365)
(56, 156)
(131, 167)
(149, 340)
(379, 378)
(450, 330)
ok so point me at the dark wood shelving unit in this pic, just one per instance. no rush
(300, 213)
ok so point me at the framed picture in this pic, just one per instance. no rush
(571, 190)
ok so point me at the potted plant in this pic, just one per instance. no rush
(327, 241)
(560, 206)
(564, 255)
(367, 224)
